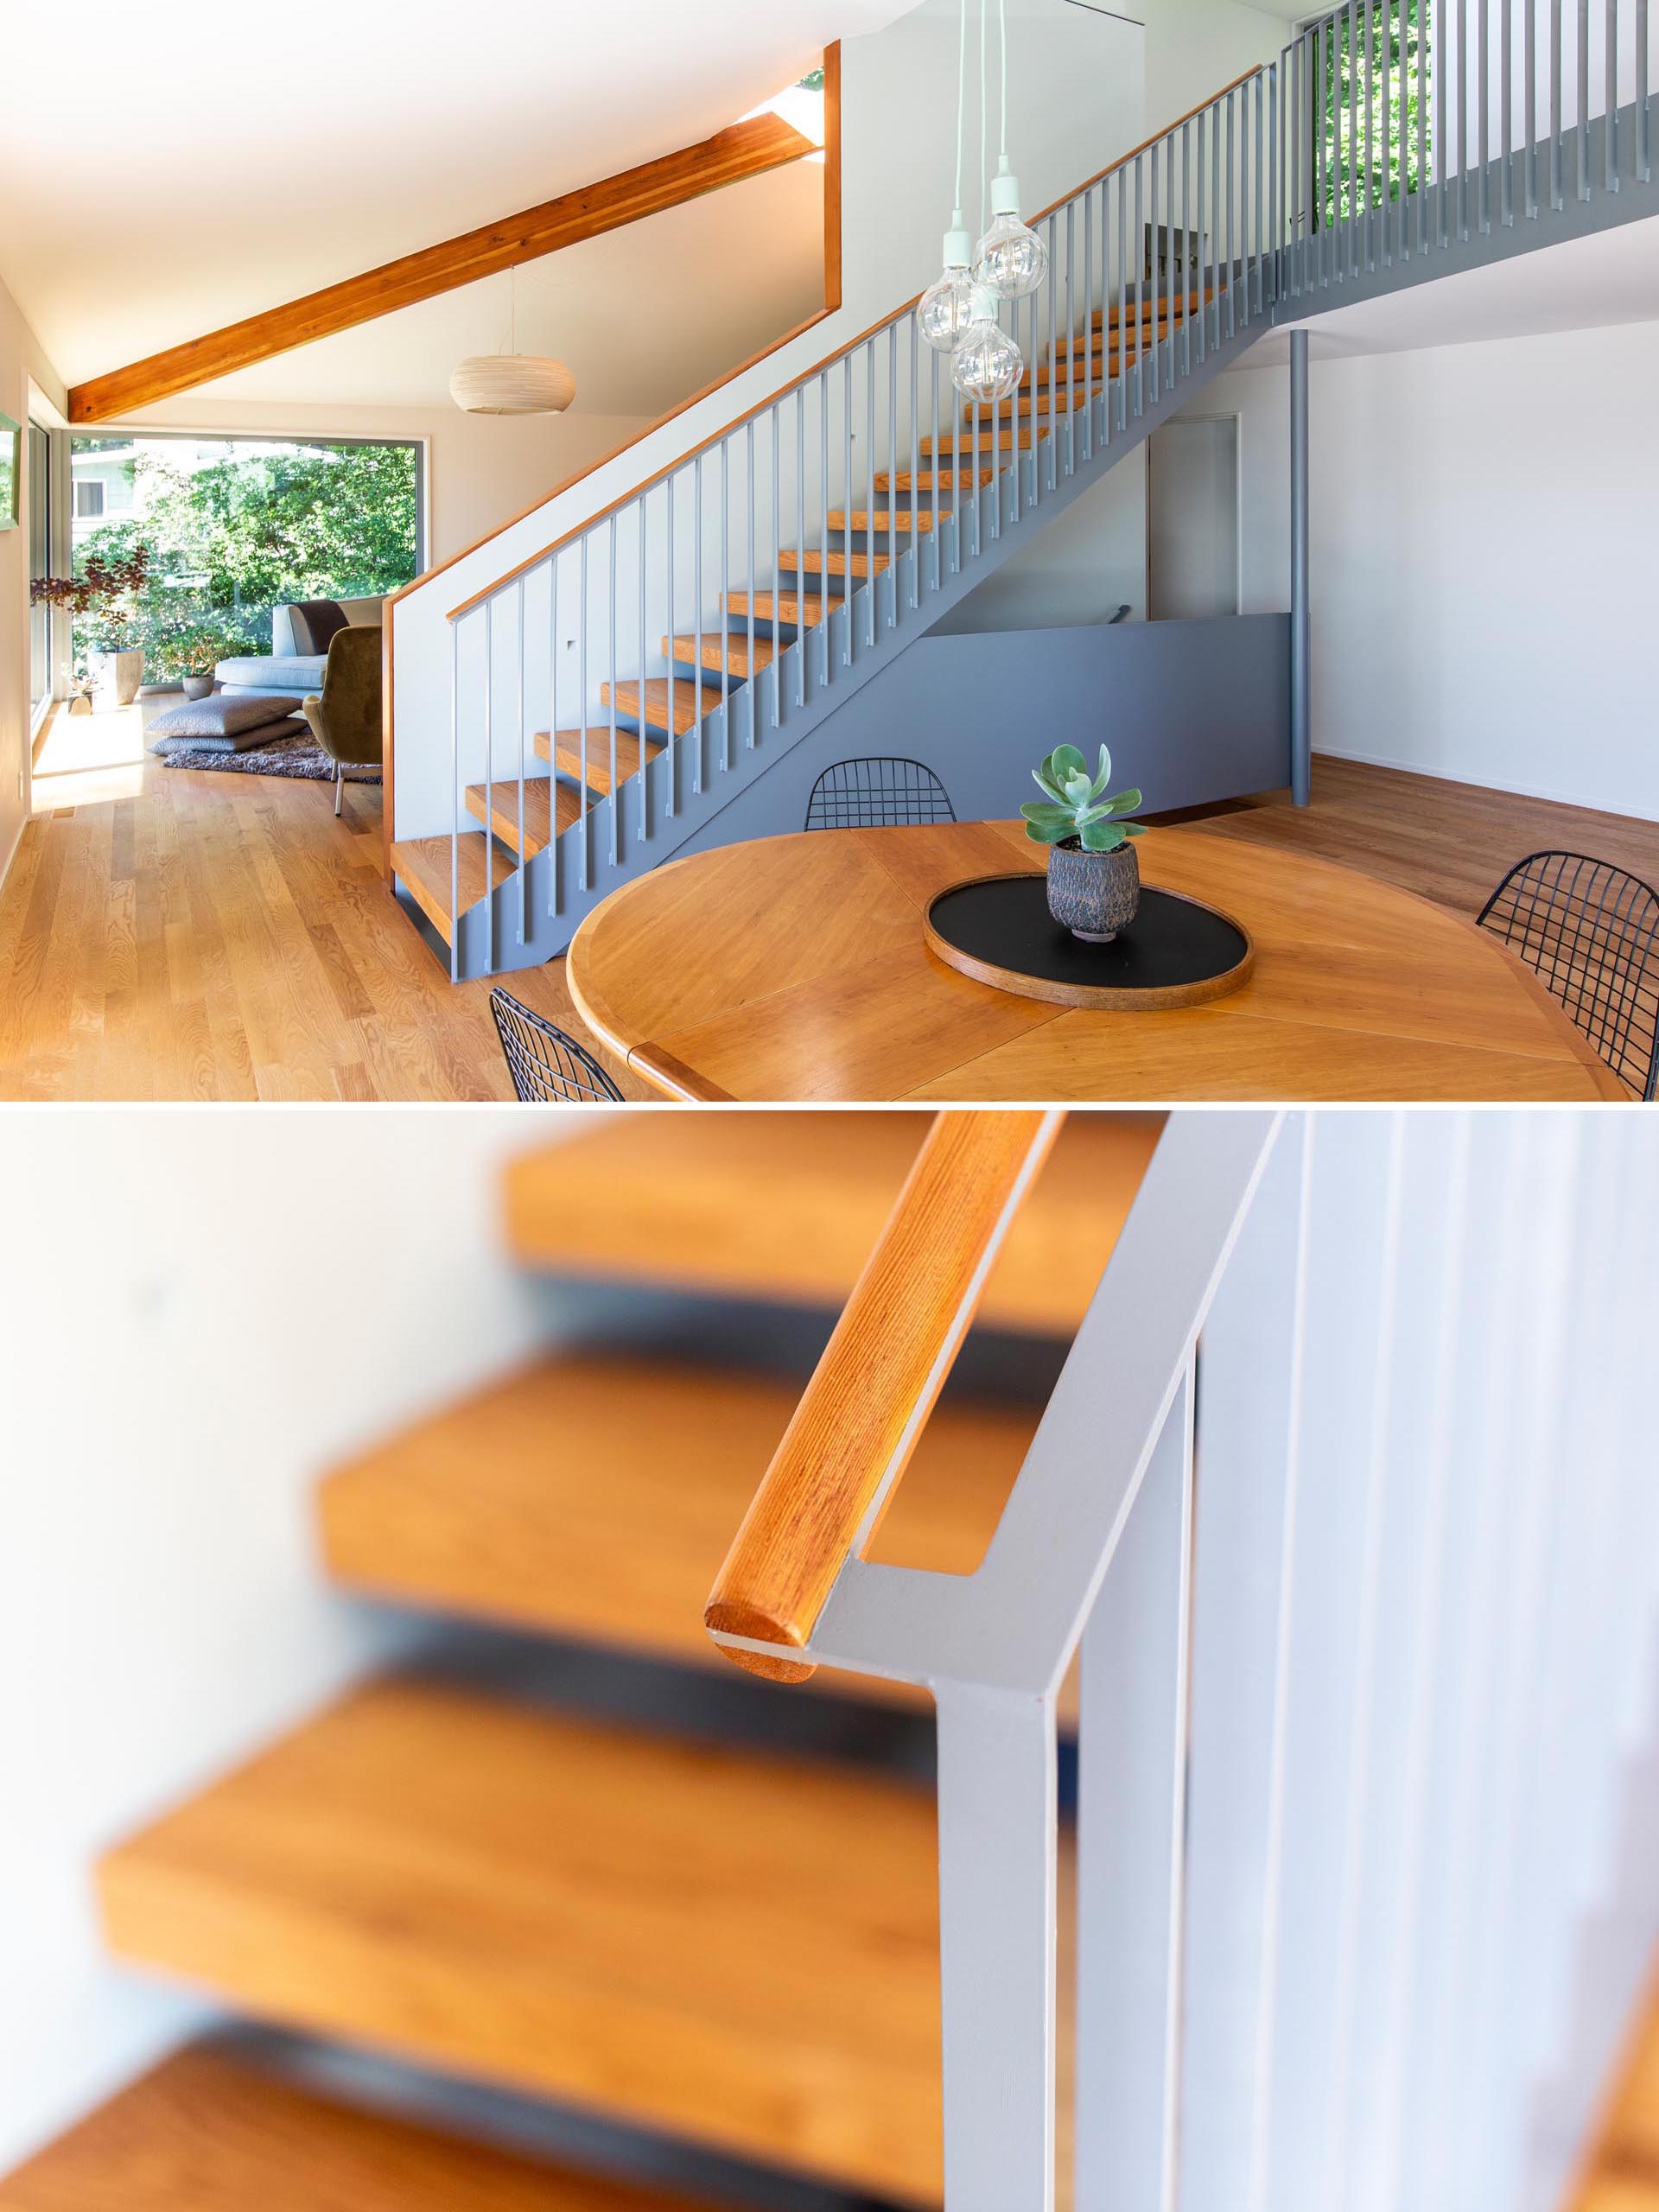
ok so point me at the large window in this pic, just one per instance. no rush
(232, 527)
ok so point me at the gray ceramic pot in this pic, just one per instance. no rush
(198, 687)
(1093, 894)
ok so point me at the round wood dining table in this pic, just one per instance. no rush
(794, 968)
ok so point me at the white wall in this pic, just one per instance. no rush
(198, 1312)
(481, 469)
(1485, 535)
(20, 358)
(1089, 560)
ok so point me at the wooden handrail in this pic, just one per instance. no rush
(703, 445)
(852, 1434)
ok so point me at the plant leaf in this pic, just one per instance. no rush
(1133, 828)
(1102, 836)
(1042, 784)
(1034, 811)
(1122, 802)
(1048, 833)
(1064, 761)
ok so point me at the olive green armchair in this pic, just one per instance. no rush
(345, 716)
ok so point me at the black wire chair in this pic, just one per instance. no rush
(1591, 933)
(877, 794)
(546, 1065)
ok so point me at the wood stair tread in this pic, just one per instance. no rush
(811, 562)
(933, 480)
(787, 1206)
(726, 649)
(884, 520)
(593, 1495)
(206, 2132)
(649, 701)
(496, 806)
(795, 611)
(564, 1908)
(423, 864)
(565, 751)
(1172, 306)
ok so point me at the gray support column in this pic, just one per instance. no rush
(1302, 742)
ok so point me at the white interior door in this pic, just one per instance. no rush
(1193, 518)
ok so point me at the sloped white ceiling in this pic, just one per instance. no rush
(167, 170)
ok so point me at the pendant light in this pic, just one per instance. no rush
(950, 308)
(1010, 260)
(512, 383)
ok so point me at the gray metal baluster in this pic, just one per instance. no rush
(754, 682)
(801, 647)
(893, 492)
(585, 875)
(1644, 98)
(1057, 320)
(1260, 152)
(1506, 101)
(847, 511)
(1123, 300)
(1140, 323)
(1215, 241)
(697, 620)
(1293, 166)
(1610, 127)
(1357, 197)
(489, 795)
(1232, 196)
(673, 738)
(455, 802)
(776, 581)
(1529, 70)
(1421, 32)
(553, 715)
(1275, 183)
(1463, 117)
(1584, 99)
(724, 608)
(1150, 338)
(892, 473)
(1482, 63)
(1088, 325)
(1556, 183)
(1201, 308)
(616, 805)
(823, 519)
(524, 857)
(870, 436)
(640, 762)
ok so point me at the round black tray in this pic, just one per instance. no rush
(1177, 951)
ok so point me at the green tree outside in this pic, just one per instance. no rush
(236, 538)
(1372, 62)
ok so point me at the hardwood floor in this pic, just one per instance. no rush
(171, 933)
(175, 934)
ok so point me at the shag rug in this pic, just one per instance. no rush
(299, 755)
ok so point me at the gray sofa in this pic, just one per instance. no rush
(299, 647)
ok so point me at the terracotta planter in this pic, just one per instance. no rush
(1093, 894)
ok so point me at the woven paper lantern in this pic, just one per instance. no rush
(512, 384)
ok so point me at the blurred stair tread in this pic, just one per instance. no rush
(427, 868)
(788, 1205)
(738, 1949)
(595, 1494)
(496, 806)
(205, 2133)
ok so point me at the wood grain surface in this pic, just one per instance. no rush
(852, 1436)
(796, 967)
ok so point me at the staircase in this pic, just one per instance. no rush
(653, 1910)
(685, 639)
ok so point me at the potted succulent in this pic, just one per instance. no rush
(1094, 880)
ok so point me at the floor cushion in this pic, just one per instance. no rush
(224, 722)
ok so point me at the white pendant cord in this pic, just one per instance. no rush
(984, 137)
(1002, 26)
(961, 107)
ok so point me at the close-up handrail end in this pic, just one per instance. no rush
(725, 1617)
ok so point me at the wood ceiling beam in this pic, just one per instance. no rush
(744, 149)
